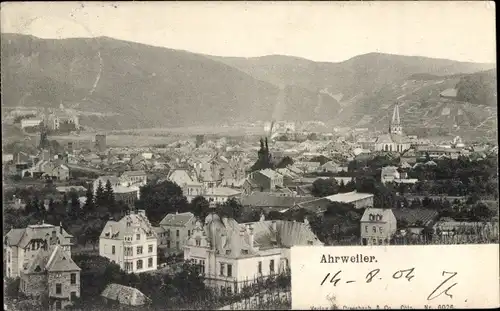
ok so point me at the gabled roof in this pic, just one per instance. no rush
(178, 219)
(21, 237)
(383, 213)
(128, 225)
(60, 261)
(52, 259)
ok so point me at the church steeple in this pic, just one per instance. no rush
(395, 125)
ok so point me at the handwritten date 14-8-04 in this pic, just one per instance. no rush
(404, 274)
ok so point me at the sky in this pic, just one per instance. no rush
(320, 31)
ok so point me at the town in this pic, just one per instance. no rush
(161, 156)
(207, 220)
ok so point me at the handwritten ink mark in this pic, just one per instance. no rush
(399, 274)
(371, 275)
(333, 280)
(350, 281)
(432, 296)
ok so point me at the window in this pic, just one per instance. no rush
(58, 305)
(138, 236)
(366, 229)
(73, 296)
(139, 264)
(259, 267)
(381, 229)
(229, 270)
(198, 242)
(374, 229)
(202, 266)
(228, 251)
(379, 241)
(177, 245)
(128, 251)
(222, 269)
(244, 251)
(58, 288)
(139, 250)
(168, 243)
(189, 232)
(150, 248)
(271, 266)
(150, 262)
(113, 249)
(177, 233)
(73, 278)
(128, 266)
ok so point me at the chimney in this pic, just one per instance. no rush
(60, 228)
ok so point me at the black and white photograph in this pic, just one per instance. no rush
(169, 155)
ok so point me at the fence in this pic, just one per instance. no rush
(260, 293)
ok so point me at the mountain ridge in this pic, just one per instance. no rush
(140, 85)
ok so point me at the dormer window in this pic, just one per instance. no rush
(309, 242)
(228, 251)
(244, 251)
(372, 217)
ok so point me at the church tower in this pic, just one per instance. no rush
(395, 125)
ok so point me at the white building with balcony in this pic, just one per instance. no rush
(130, 242)
(230, 254)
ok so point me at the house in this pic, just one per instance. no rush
(188, 182)
(377, 226)
(30, 122)
(21, 245)
(219, 195)
(358, 199)
(51, 271)
(175, 229)
(264, 181)
(124, 295)
(229, 253)
(308, 167)
(389, 174)
(138, 178)
(122, 189)
(130, 242)
(331, 167)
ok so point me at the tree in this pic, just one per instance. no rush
(108, 193)
(285, 162)
(231, 209)
(325, 187)
(160, 199)
(100, 196)
(200, 208)
(264, 157)
(89, 195)
(75, 205)
(52, 206)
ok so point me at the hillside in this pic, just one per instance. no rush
(135, 86)
(423, 111)
(115, 84)
(351, 77)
